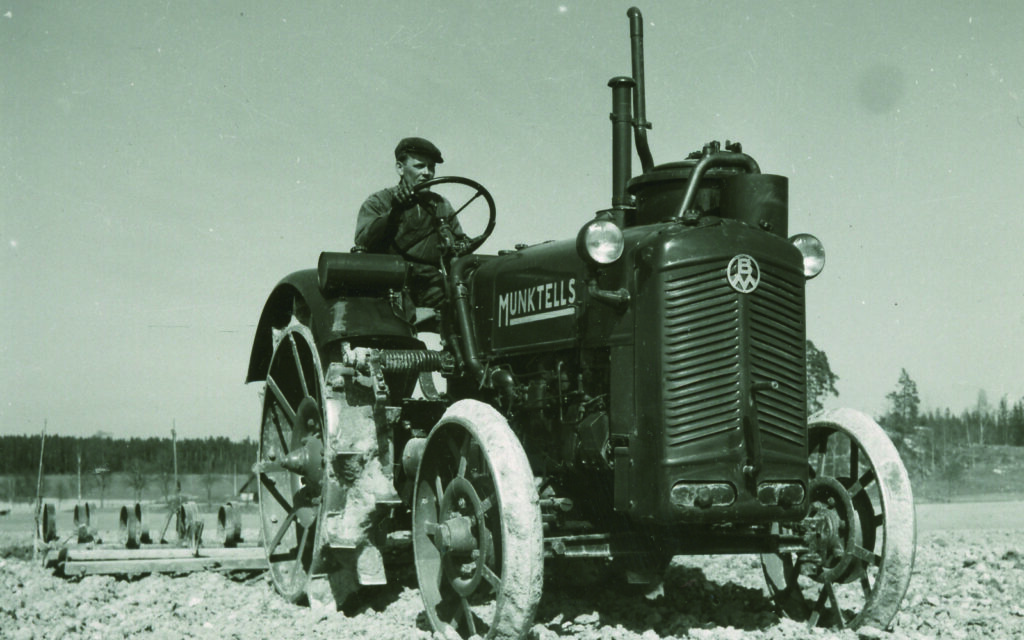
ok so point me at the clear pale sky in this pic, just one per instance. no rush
(164, 164)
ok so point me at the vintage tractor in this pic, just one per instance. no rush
(623, 397)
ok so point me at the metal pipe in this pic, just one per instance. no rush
(622, 154)
(711, 160)
(640, 125)
(460, 294)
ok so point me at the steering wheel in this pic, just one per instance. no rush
(473, 243)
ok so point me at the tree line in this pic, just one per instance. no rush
(914, 430)
(19, 455)
(943, 443)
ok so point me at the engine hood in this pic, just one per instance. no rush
(529, 299)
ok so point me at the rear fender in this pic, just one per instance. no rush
(371, 320)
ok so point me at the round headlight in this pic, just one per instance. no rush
(813, 252)
(601, 241)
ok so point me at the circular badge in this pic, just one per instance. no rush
(743, 273)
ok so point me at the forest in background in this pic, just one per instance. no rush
(102, 460)
(945, 452)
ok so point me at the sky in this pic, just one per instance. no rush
(164, 164)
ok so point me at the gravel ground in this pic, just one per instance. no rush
(967, 584)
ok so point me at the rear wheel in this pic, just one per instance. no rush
(291, 465)
(477, 534)
(859, 533)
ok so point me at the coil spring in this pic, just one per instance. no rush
(411, 360)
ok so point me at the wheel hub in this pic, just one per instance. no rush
(463, 538)
(456, 535)
(832, 530)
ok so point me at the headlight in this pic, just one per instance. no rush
(601, 241)
(813, 252)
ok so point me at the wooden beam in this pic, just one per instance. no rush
(79, 562)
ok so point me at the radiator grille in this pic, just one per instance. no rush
(706, 325)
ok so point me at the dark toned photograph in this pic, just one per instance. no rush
(511, 320)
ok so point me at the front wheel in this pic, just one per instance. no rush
(859, 535)
(477, 536)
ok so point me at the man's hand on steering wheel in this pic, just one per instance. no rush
(404, 195)
(460, 246)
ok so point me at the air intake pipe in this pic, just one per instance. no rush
(622, 151)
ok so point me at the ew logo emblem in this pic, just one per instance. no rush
(743, 273)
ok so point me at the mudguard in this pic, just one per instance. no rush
(370, 317)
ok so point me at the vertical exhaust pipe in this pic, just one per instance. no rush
(640, 125)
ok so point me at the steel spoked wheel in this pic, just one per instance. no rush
(290, 465)
(477, 534)
(859, 537)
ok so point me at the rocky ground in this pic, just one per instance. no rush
(967, 584)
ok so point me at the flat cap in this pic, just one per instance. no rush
(419, 146)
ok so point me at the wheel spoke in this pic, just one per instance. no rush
(299, 569)
(280, 432)
(854, 459)
(831, 591)
(862, 482)
(438, 489)
(287, 556)
(271, 488)
(492, 578)
(299, 369)
(486, 504)
(826, 597)
(865, 555)
(283, 529)
(456, 449)
(467, 613)
(812, 620)
(822, 453)
(865, 585)
(289, 411)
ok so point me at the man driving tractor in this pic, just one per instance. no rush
(405, 221)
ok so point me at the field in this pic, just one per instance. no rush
(968, 577)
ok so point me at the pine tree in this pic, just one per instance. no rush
(905, 403)
(821, 381)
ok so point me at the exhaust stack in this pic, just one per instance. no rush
(629, 111)
(640, 124)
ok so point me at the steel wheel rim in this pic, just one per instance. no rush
(477, 539)
(291, 427)
(857, 479)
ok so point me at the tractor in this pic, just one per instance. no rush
(632, 394)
